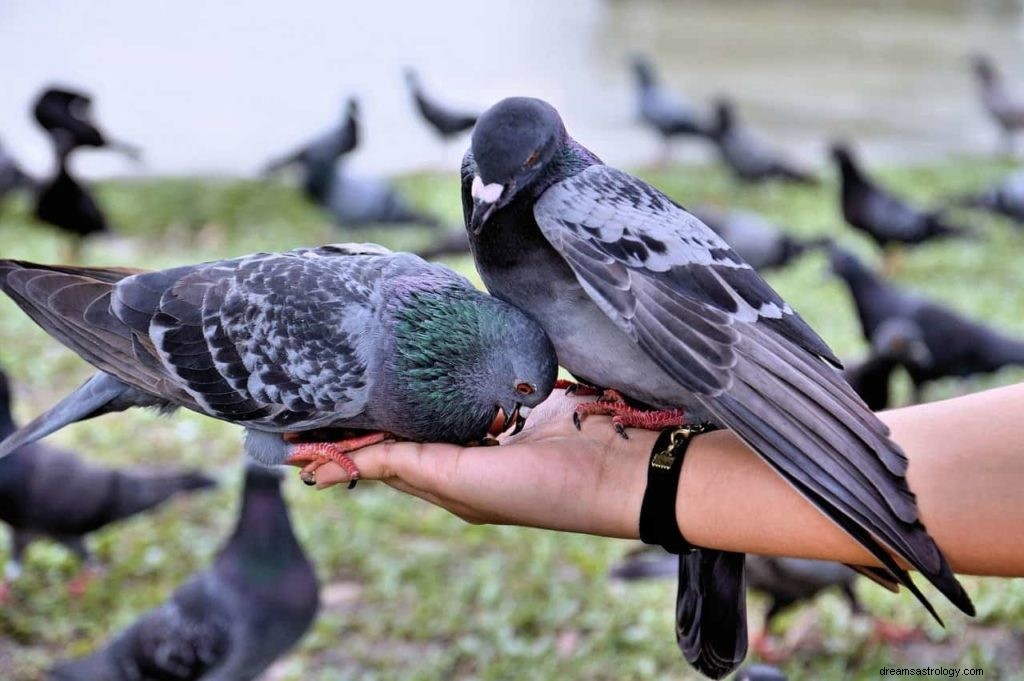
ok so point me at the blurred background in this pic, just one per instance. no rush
(240, 115)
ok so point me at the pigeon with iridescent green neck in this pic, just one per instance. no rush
(316, 352)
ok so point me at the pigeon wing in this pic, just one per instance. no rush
(713, 325)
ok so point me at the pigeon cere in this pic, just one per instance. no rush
(612, 339)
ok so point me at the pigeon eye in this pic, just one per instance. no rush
(524, 388)
(531, 159)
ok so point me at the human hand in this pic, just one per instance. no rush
(550, 475)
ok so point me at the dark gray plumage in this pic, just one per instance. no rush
(881, 215)
(761, 243)
(1004, 105)
(748, 157)
(896, 342)
(52, 493)
(446, 122)
(66, 116)
(638, 295)
(664, 111)
(1005, 198)
(228, 622)
(957, 346)
(337, 337)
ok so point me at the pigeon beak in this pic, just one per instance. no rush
(521, 414)
(502, 421)
(486, 198)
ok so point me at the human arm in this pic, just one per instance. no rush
(966, 467)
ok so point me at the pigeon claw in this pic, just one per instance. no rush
(612, 403)
(312, 455)
(573, 388)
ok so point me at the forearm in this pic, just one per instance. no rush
(966, 467)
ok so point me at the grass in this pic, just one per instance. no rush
(410, 591)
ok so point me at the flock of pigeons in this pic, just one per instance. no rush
(183, 338)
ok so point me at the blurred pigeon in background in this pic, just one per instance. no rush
(66, 116)
(1005, 198)
(760, 672)
(663, 110)
(896, 342)
(762, 244)
(354, 337)
(52, 493)
(747, 157)
(63, 201)
(957, 346)
(317, 158)
(640, 297)
(1004, 105)
(229, 622)
(446, 122)
(884, 217)
(358, 201)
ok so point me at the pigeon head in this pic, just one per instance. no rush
(465, 364)
(843, 156)
(846, 265)
(643, 71)
(67, 116)
(984, 69)
(513, 143)
(351, 107)
(901, 339)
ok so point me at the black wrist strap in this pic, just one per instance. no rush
(658, 524)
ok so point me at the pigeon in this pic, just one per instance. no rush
(1005, 198)
(642, 299)
(887, 219)
(1005, 106)
(229, 622)
(957, 346)
(896, 342)
(53, 493)
(446, 122)
(748, 157)
(761, 244)
(12, 177)
(317, 158)
(663, 110)
(66, 115)
(357, 202)
(69, 205)
(348, 344)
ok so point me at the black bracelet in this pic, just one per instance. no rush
(658, 524)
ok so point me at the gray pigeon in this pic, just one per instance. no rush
(316, 158)
(639, 296)
(663, 110)
(748, 157)
(228, 622)
(896, 342)
(762, 244)
(1004, 105)
(50, 492)
(446, 122)
(1005, 198)
(357, 201)
(353, 341)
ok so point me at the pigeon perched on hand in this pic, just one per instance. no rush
(896, 342)
(956, 346)
(1005, 198)
(663, 110)
(446, 122)
(747, 157)
(229, 622)
(884, 217)
(52, 493)
(339, 346)
(761, 244)
(641, 298)
(1004, 105)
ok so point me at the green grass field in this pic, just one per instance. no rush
(411, 592)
